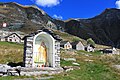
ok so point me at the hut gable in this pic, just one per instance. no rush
(110, 51)
(14, 37)
(65, 45)
(90, 48)
(77, 45)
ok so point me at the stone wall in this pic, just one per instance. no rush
(28, 52)
(57, 54)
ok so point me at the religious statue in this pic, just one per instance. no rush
(41, 56)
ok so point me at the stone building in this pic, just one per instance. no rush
(89, 48)
(42, 49)
(51, 25)
(110, 51)
(13, 37)
(78, 45)
(65, 45)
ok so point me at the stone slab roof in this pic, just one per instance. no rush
(57, 37)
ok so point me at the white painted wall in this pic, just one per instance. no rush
(80, 46)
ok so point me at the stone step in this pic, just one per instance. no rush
(40, 71)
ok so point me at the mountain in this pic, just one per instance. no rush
(103, 29)
(24, 18)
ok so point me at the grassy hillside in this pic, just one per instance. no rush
(71, 38)
(10, 52)
(93, 66)
(68, 37)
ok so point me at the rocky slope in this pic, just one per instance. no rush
(24, 18)
(103, 29)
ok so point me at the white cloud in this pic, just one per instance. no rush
(118, 4)
(57, 16)
(47, 3)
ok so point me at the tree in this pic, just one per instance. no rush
(90, 41)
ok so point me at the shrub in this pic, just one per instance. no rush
(90, 41)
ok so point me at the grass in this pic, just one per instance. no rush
(16, 77)
(99, 68)
(89, 70)
(68, 37)
(66, 63)
(11, 44)
(11, 52)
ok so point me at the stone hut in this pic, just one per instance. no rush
(65, 45)
(89, 48)
(42, 49)
(77, 45)
(13, 37)
(110, 51)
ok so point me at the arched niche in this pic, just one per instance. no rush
(49, 43)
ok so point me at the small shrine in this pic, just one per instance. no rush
(42, 49)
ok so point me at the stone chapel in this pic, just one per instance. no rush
(42, 49)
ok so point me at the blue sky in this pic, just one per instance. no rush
(66, 9)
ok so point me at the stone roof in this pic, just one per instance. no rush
(12, 34)
(57, 37)
(75, 43)
(63, 42)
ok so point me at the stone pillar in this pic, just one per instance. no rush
(57, 54)
(28, 52)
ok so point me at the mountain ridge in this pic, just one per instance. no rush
(103, 28)
(27, 16)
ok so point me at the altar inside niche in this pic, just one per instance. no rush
(41, 50)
